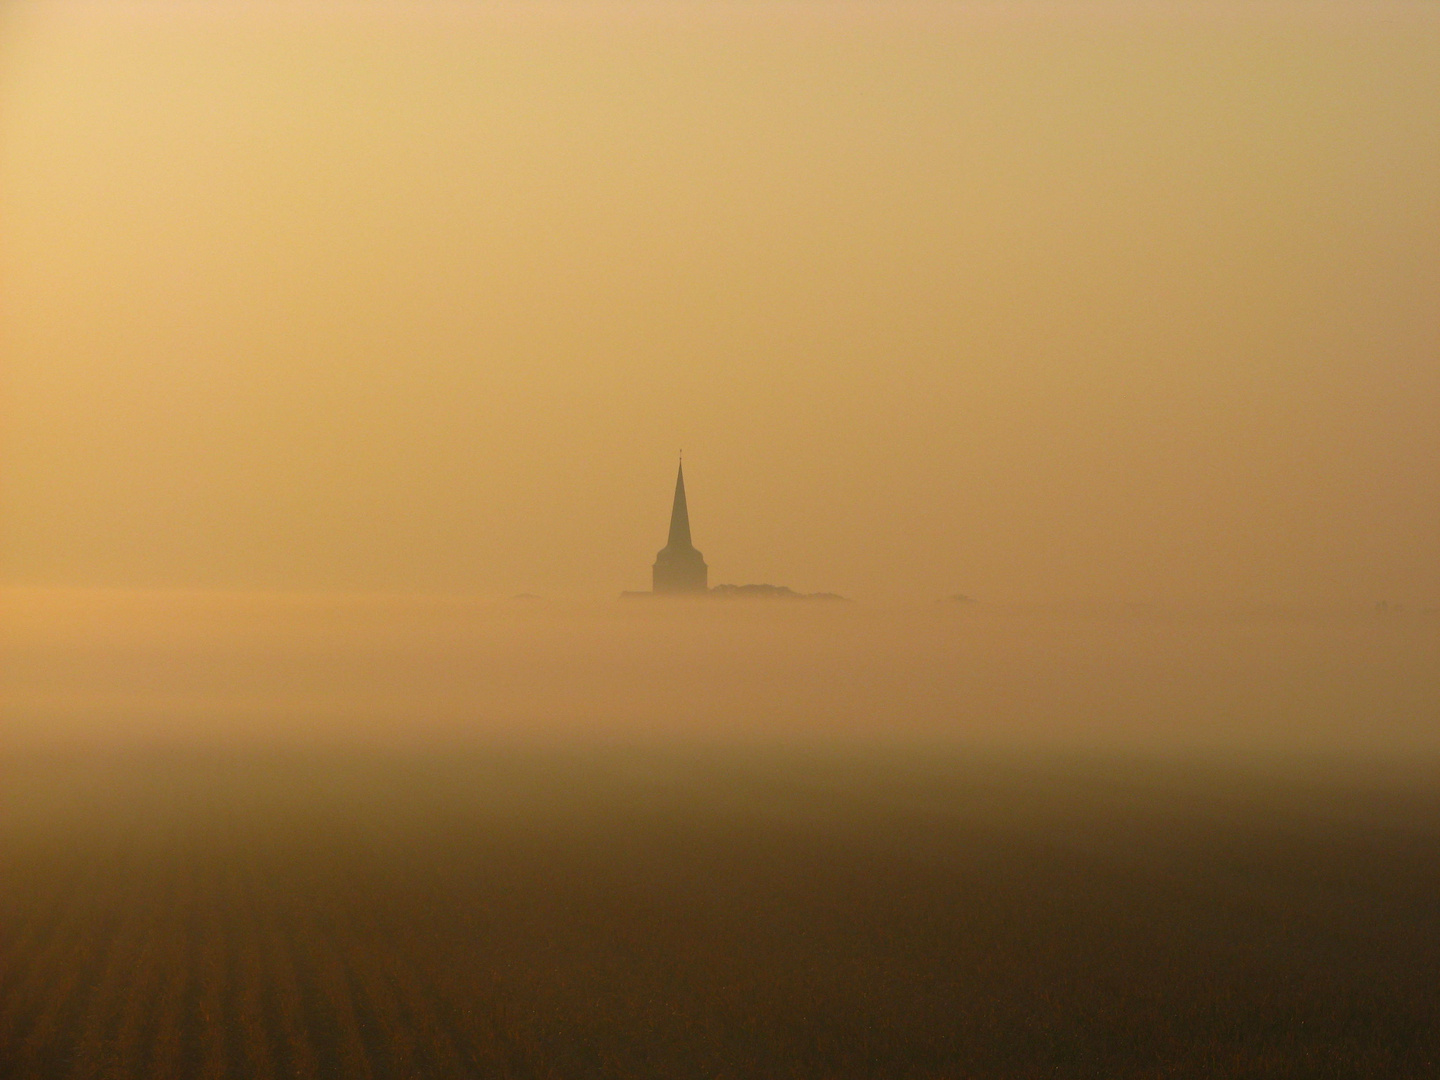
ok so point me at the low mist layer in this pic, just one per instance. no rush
(113, 668)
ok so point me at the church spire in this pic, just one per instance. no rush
(679, 568)
(680, 514)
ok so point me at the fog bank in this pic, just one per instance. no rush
(118, 668)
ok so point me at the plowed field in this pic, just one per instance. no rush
(613, 915)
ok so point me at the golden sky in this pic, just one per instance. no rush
(1043, 300)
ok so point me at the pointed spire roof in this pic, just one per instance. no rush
(680, 514)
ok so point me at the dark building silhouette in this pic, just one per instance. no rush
(679, 568)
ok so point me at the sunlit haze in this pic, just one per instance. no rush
(1033, 302)
(651, 539)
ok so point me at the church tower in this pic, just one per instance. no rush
(679, 568)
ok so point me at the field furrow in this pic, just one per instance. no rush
(165, 1053)
(249, 1009)
(393, 1031)
(327, 981)
(95, 1035)
(214, 994)
(44, 1047)
(287, 1013)
(128, 1045)
(448, 1052)
(36, 936)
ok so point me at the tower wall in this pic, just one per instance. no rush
(680, 571)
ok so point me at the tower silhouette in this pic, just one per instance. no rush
(679, 568)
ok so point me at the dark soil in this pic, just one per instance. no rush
(595, 915)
